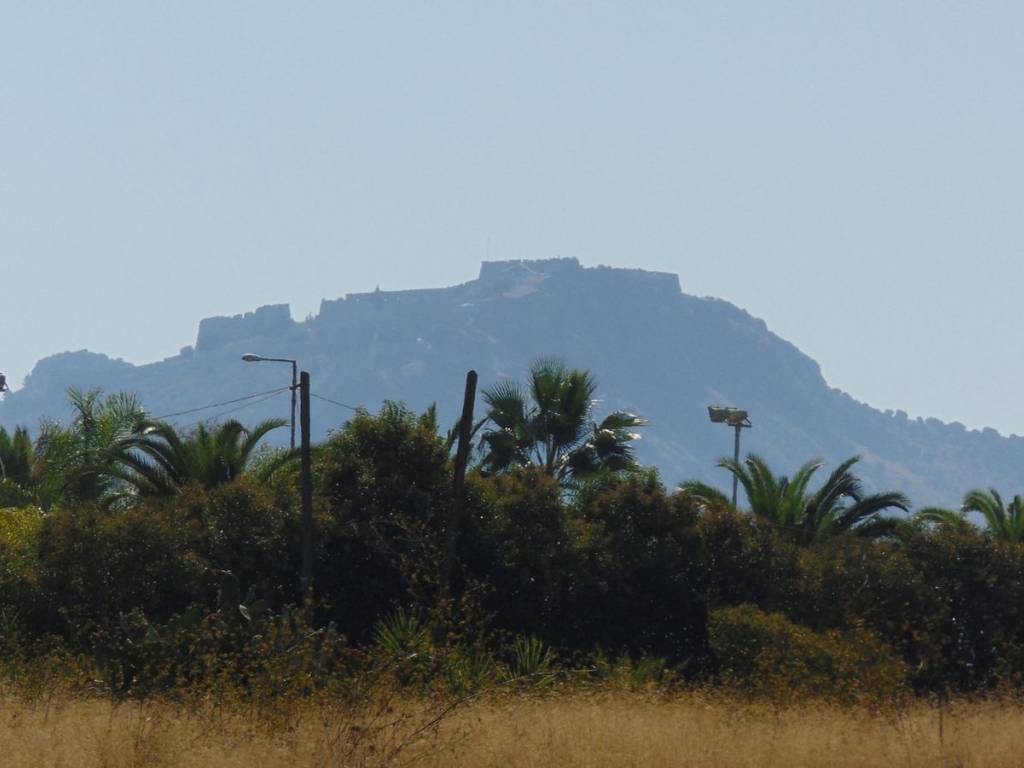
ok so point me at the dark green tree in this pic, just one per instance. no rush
(639, 547)
(520, 542)
(383, 486)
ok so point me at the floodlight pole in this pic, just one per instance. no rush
(736, 458)
(736, 418)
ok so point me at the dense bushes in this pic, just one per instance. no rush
(642, 565)
(768, 655)
(519, 542)
(615, 568)
(93, 566)
(382, 486)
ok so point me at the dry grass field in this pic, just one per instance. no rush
(570, 730)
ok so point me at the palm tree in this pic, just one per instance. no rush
(1005, 521)
(17, 468)
(68, 463)
(158, 461)
(83, 452)
(838, 506)
(550, 424)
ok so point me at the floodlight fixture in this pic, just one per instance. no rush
(728, 415)
(739, 420)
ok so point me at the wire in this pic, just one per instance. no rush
(245, 401)
(266, 396)
(333, 402)
(218, 405)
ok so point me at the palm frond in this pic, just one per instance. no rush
(707, 496)
(944, 517)
(869, 507)
(884, 528)
(506, 404)
(254, 436)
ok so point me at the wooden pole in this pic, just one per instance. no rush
(458, 489)
(306, 483)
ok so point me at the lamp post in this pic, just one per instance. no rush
(300, 385)
(249, 357)
(738, 420)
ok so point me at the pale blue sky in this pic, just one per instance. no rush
(850, 172)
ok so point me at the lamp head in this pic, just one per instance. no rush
(718, 414)
(249, 357)
(734, 417)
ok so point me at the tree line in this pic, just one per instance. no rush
(115, 527)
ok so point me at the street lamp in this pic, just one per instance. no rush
(249, 357)
(738, 420)
(305, 472)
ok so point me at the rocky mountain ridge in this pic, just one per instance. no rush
(655, 350)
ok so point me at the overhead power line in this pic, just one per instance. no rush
(333, 402)
(267, 396)
(268, 393)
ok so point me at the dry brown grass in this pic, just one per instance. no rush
(571, 730)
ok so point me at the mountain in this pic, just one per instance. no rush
(655, 350)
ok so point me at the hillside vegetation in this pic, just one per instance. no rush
(141, 560)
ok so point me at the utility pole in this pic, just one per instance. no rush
(306, 483)
(295, 386)
(458, 488)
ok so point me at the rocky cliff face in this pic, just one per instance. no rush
(655, 350)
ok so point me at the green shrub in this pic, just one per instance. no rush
(634, 674)
(19, 538)
(743, 561)
(95, 565)
(639, 544)
(531, 662)
(383, 485)
(767, 655)
(19, 592)
(240, 527)
(242, 647)
(519, 540)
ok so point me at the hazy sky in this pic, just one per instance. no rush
(850, 172)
